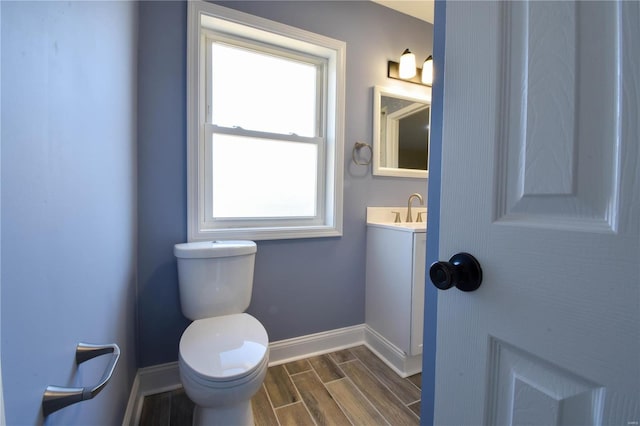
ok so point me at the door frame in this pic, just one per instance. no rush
(2, 419)
(433, 216)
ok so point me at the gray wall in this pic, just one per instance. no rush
(300, 286)
(68, 202)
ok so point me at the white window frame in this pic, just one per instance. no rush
(205, 18)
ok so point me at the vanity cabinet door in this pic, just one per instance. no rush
(388, 285)
(394, 301)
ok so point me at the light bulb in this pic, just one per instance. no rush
(427, 71)
(407, 64)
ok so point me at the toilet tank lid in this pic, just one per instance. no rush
(208, 249)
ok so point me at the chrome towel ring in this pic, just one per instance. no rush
(357, 147)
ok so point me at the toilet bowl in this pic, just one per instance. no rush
(224, 352)
(223, 361)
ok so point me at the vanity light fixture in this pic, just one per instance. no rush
(406, 70)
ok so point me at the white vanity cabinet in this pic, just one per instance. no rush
(394, 307)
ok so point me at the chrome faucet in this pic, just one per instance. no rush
(411, 198)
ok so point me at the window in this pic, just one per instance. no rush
(265, 128)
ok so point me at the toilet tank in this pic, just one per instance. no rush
(215, 277)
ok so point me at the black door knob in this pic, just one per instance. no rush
(462, 271)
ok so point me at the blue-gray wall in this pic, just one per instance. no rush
(68, 220)
(300, 286)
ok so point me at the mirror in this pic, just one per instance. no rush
(401, 132)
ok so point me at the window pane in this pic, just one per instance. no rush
(263, 178)
(258, 91)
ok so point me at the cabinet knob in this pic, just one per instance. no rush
(462, 271)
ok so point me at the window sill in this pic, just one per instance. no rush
(262, 234)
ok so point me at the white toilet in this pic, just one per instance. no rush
(224, 352)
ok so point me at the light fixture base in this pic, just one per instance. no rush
(393, 71)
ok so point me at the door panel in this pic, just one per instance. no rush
(558, 106)
(539, 183)
(524, 389)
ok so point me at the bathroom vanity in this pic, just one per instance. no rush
(395, 274)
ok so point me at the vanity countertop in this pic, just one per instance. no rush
(384, 217)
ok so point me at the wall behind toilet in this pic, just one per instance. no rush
(301, 286)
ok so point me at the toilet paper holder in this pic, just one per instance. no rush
(57, 397)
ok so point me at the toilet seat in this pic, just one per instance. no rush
(225, 348)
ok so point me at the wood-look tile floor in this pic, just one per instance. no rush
(348, 387)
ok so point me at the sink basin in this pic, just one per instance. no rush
(385, 217)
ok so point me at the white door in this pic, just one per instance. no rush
(541, 183)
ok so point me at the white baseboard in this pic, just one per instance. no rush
(288, 350)
(134, 405)
(166, 377)
(395, 358)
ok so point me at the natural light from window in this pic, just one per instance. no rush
(257, 91)
(246, 186)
